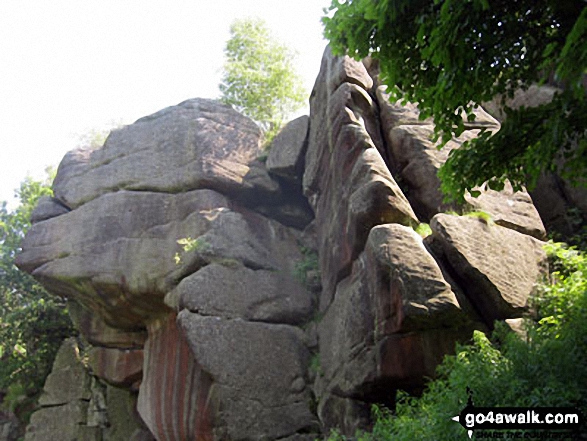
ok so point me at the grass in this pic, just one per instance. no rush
(308, 263)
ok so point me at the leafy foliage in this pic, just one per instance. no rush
(259, 77)
(449, 56)
(307, 264)
(547, 368)
(32, 323)
(188, 244)
(423, 229)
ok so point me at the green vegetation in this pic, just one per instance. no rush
(449, 56)
(32, 322)
(315, 365)
(476, 214)
(259, 77)
(479, 214)
(188, 244)
(423, 229)
(307, 264)
(545, 368)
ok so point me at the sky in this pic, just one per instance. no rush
(68, 66)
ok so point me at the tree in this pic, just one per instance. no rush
(259, 77)
(32, 322)
(449, 56)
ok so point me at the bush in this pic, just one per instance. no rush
(545, 368)
(32, 322)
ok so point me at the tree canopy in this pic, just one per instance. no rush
(259, 77)
(450, 56)
(32, 323)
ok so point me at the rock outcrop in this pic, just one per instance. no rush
(76, 406)
(248, 301)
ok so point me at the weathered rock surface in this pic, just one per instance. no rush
(514, 210)
(98, 333)
(417, 159)
(286, 157)
(500, 267)
(230, 290)
(263, 388)
(395, 302)
(174, 395)
(115, 252)
(46, 208)
(346, 178)
(252, 301)
(76, 407)
(161, 211)
(118, 367)
(409, 287)
(212, 146)
(563, 208)
(69, 380)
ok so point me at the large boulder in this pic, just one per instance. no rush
(196, 144)
(117, 254)
(263, 389)
(286, 156)
(166, 218)
(389, 325)
(499, 267)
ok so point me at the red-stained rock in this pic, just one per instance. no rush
(408, 358)
(174, 394)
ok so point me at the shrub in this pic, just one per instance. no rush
(546, 368)
(32, 322)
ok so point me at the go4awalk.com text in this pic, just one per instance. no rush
(520, 423)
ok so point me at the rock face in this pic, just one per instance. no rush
(76, 406)
(346, 179)
(164, 221)
(500, 265)
(237, 300)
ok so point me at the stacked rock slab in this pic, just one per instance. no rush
(393, 304)
(189, 264)
(111, 241)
